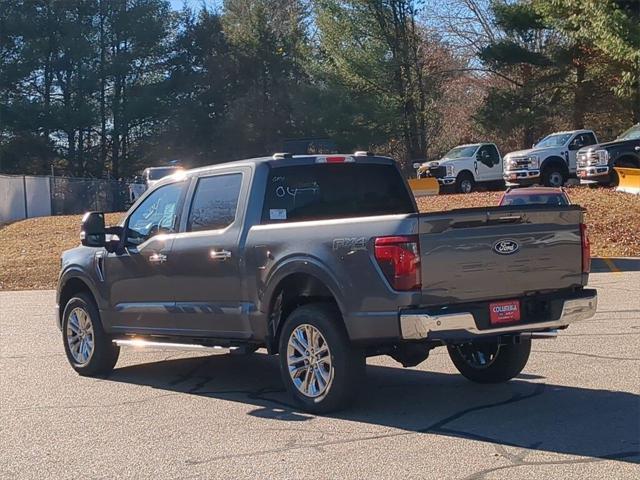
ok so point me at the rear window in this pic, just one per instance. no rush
(545, 199)
(325, 191)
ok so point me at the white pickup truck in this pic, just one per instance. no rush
(550, 162)
(465, 166)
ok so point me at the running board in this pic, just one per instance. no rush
(141, 343)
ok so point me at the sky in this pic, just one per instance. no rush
(195, 4)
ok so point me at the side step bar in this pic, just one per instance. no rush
(142, 343)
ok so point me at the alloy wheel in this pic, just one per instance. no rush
(309, 361)
(556, 179)
(80, 338)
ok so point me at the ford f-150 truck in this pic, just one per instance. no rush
(596, 163)
(324, 260)
(550, 162)
(466, 166)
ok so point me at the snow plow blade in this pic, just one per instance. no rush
(629, 180)
(422, 187)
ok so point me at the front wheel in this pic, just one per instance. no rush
(553, 177)
(464, 183)
(490, 362)
(89, 349)
(319, 366)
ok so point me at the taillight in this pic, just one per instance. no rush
(335, 159)
(399, 260)
(586, 249)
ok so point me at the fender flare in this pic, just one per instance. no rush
(467, 171)
(76, 273)
(554, 159)
(304, 264)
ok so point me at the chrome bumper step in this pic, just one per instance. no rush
(143, 343)
(421, 326)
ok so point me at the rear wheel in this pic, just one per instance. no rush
(490, 362)
(553, 176)
(89, 349)
(319, 366)
(465, 183)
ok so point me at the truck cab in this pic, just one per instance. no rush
(466, 166)
(596, 163)
(550, 162)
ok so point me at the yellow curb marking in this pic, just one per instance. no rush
(610, 264)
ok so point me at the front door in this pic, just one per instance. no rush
(206, 259)
(140, 291)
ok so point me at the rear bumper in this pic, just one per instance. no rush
(463, 325)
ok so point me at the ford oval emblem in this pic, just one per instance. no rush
(506, 247)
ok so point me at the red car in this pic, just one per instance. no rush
(535, 196)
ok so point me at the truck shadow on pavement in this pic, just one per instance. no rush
(526, 414)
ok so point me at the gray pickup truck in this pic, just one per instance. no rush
(323, 260)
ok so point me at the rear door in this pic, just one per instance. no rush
(499, 252)
(206, 258)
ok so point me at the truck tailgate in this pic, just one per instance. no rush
(499, 252)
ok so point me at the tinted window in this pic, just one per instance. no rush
(488, 155)
(161, 172)
(215, 202)
(313, 192)
(589, 139)
(156, 214)
(545, 199)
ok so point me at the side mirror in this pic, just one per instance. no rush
(92, 232)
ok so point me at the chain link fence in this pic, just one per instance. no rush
(78, 195)
(23, 196)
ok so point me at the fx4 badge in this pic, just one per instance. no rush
(506, 247)
(351, 243)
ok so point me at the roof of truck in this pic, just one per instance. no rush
(581, 130)
(273, 160)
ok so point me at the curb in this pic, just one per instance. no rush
(615, 264)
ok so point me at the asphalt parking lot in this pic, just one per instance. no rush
(573, 414)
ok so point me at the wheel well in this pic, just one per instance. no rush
(293, 291)
(72, 287)
(554, 162)
(465, 173)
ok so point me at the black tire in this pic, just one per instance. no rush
(105, 352)
(462, 180)
(509, 360)
(348, 363)
(553, 176)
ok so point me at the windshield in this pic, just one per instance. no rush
(158, 173)
(632, 134)
(556, 140)
(462, 152)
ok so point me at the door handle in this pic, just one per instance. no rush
(219, 254)
(158, 258)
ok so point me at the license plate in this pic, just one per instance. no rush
(513, 176)
(504, 312)
(582, 174)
